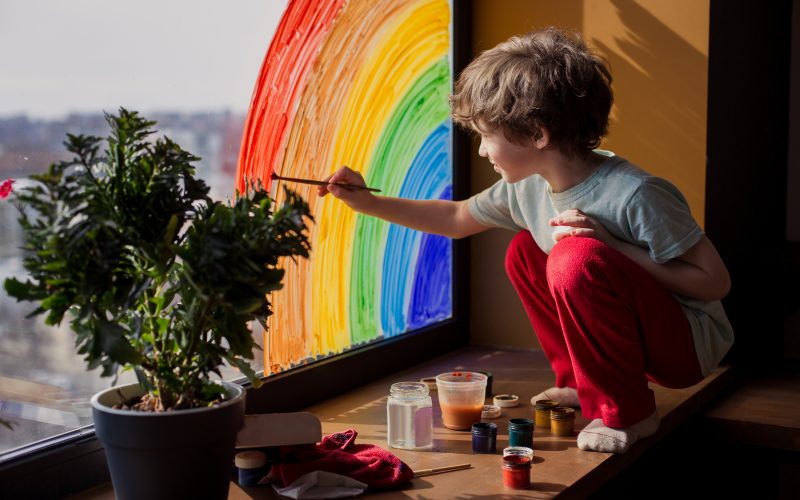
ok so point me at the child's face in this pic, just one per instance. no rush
(512, 161)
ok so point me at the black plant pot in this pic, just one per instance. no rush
(177, 454)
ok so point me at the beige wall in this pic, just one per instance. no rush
(658, 53)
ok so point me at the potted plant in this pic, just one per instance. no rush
(157, 278)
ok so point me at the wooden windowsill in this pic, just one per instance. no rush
(560, 468)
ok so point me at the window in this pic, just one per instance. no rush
(192, 68)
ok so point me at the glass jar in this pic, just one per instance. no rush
(409, 417)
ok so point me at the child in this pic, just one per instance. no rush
(619, 282)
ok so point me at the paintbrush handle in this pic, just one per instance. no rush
(439, 470)
(323, 183)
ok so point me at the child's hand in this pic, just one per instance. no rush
(580, 224)
(357, 199)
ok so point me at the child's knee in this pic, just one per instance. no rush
(517, 251)
(574, 262)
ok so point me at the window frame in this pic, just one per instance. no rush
(75, 461)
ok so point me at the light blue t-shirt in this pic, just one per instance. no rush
(633, 206)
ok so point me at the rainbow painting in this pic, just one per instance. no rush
(362, 83)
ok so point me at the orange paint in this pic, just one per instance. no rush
(461, 417)
(283, 76)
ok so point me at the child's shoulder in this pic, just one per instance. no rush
(628, 177)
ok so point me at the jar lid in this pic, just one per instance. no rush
(506, 400)
(484, 429)
(520, 424)
(250, 459)
(518, 450)
(490, 411)
(562, 413)
(545, 404)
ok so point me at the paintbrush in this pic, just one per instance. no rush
(439, 470)
(314, 182)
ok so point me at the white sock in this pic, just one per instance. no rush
(598, 437)
(566, 396)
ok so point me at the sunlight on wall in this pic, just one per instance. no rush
(658, 53)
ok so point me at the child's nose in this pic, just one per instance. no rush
(482, 150)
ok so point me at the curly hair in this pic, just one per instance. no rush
(544, 79)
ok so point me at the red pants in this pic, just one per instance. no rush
(606, 325)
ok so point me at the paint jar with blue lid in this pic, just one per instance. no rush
(252, 467)
(520, 432)
(484, 437)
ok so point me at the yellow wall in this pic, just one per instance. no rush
(658, 52)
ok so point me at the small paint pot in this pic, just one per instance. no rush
(490, 411)
(484, 437)
(543, 407)
(517, 467)
(430, 382)
(520, 432)
(252, 466)
(506, 400)
(562, 421)
(489, 392)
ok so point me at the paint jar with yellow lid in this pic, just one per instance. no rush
(543, 407)
(562, 421)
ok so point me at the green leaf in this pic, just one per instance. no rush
(245, 368)
(113, 341)
(22, 291)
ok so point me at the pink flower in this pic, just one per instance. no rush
(5, 188)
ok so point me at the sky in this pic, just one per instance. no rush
(63, 56)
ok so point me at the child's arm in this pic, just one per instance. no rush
(699, 273)
(444, 217)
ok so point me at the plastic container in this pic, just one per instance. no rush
(520, 432)
(409, 417)
(516, 466)
(489, 389)
(543, 407)
(484, 437)
(461, 398)
(562, 421)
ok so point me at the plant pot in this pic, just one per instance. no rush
(176, 454)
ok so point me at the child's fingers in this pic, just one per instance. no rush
(348, 176)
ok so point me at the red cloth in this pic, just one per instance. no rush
(606, 325)
(338, 453)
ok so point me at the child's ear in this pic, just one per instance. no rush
(543, 139)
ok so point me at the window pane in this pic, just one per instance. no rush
(188, 65)
(362, 83)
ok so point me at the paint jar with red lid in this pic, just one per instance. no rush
(517, 467)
